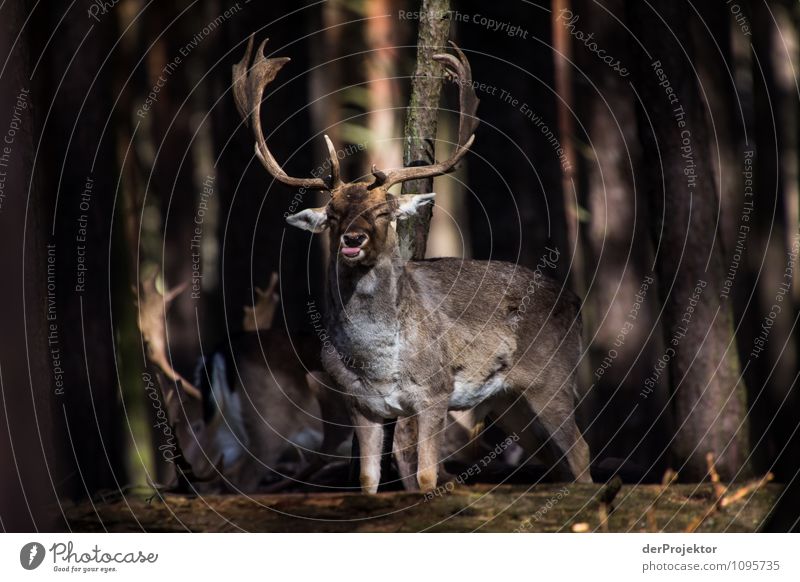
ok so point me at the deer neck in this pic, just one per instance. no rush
(373, 290)
(364, 313)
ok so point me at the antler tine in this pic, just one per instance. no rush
(259, 316)
(459, 70)
(240, 84)
(273, 284)
(248, 91)
(169, 296)
(336, 179)
(152, 323)
(380, 177)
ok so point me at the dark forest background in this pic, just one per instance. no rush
(106, 172)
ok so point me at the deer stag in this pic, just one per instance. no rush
(422, 337)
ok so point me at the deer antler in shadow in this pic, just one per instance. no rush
(152, 322)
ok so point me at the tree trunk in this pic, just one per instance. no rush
(30, 461)
(708, 396)
(563, 77)
(382, 37)
(421, 119)
(78, 163)
(711, 35)
(769, 302)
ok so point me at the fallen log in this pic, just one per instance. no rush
(490, 508)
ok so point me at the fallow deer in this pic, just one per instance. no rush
(422, 337)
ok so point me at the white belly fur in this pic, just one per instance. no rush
(382, 392)
(389, 401)
(385, 400)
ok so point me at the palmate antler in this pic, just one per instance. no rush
(248, 91)
(152, 322)
(249, 82)
(458, 70)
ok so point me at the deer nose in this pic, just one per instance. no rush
(354, 239)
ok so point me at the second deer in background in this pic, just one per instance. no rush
(255, 399)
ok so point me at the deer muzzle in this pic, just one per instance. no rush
(352, 244)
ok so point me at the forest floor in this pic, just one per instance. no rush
(490, 508)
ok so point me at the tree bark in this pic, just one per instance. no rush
(77, 162)
(708, 396)
(30, 460)
(771, 370)
(563, 77)
(382, 35)
(421, 120)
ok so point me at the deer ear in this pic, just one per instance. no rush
(311, 219)
(409, 204)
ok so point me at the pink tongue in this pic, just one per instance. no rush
(350, 251)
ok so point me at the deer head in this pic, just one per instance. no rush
(359, 214)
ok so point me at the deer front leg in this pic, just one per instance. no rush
(370, 443)
(430, 423)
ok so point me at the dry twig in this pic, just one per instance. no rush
(650, 513)
(721, 497)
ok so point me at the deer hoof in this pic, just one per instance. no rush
(427, 480)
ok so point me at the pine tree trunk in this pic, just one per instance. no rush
(29, 408)
(78, 166)
(708, 395)
(772, 367)
(421, 120)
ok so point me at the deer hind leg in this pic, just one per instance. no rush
(405, 452)
(546, 428)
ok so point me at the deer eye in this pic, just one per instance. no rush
(385, 214)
